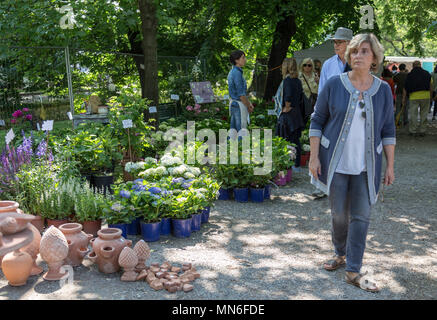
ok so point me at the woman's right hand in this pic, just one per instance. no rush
(314, 166)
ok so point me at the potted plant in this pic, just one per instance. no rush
(56, 206)
(88, 209)
(212, 189)
(305, 156)
(181, 214)
(117, 215)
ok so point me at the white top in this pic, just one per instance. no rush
(353, 160)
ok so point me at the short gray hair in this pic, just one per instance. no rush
(370, 38)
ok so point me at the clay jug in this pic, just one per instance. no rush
(77, 243)
(106, 249)
(16, 267)
(12, 219)
(8, 206)
(33, 249)
(53, 250)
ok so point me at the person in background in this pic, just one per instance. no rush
(394, 70)
(310, 84)
(317, 67)
(387, 77)
(239, 106)
(351, 125)
(335, 65)
(434, 99)
(418, 86)
(399, 80)
(290, 121)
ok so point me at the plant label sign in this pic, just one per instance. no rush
(174, 97)
(10, 136)
(2, 123)
(152, 109)
(47, 125)
(38, 126)
(70, 116)
(127, 123)
(271, 112)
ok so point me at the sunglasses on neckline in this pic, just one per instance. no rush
(362, 105)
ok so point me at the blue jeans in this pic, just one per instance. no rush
(350, 210)
(235, 117)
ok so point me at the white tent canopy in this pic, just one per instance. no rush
(409, 59)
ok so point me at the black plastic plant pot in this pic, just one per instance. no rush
(103, 183)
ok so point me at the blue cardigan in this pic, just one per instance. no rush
(331, 121)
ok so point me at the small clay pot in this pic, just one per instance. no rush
(77, 243)
(56, 222)
(91, 227)
(106, 249)
(8, 206)
(39, 223)
(17, 267)
(53, 250)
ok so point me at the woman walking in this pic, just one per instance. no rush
(352, 123)
(310, 83)
(290, 121)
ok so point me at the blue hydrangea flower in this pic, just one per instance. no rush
(177, 180)
(154, 190)
(139, 181)
(156, 196)
(186, 185)
(125, 194)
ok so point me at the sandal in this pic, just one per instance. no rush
(334, 264)
(360, 282)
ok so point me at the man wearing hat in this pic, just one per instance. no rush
(337, 63)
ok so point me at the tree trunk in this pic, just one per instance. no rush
(285, 29)
(137, 49)
(149, 26)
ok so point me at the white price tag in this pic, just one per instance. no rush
(10, 136)
(2, 123)
(127, 123)
(271, 112)
(152, 109)
(174, 97)
(47, 125)
(70, 116)
(38, 127)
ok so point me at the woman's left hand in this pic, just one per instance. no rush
(389, 177)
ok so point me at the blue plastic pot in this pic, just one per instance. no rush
(267, 192)
(150, 231)
(241, 194)
(165, 226)
(196, 221)
(181, 228)
(225, 194)
(257, 195)
(133, 228)
(121, 226)
(205, 214)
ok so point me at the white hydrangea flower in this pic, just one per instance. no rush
(195, 171)
(150, 160)
(161, 170)
(189, 175)
(306, 148)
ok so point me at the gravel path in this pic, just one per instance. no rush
(274, 250)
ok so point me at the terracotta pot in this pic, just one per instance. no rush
(77, 243)
(8, 206)
(106, 249)
(33, 249)
(39, 223)
(56, 223)
(17, 267)
(53, 250)
(128, 260)
(91, 227)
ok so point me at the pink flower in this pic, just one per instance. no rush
(189, 108)
(29, 117)
(217, 109)
(197, 111)
(17, 114)
(196, 106)
(205, 110)
(25, 110)
(13, 121)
